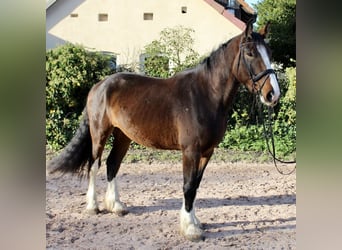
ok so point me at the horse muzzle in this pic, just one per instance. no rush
(269, 91)
(271, 99)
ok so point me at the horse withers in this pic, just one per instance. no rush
(186, 112)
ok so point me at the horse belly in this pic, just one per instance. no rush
(148, 129)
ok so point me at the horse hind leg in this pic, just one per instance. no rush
(120, 146)
(92, 205)
(99, 135)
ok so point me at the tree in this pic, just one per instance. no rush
(175, 48)
(282, 15)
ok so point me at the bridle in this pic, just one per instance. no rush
(254, 77)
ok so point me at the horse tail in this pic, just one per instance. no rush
(77, 155)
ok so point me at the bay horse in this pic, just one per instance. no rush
(186, 112)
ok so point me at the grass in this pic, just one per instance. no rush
(138, 154)
(146, 155)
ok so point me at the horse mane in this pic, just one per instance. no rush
(215, 62)
(215, 58)
(210, 61)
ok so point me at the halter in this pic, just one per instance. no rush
(253, 76)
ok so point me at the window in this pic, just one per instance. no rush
(73, 15)
(103, 17)
(184, 9)
(148, 16)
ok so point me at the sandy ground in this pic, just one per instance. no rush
(242, 206)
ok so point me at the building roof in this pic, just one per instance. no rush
(222, 10)
(49, 3)
(245, 6)
(246, 12)
(239, 8)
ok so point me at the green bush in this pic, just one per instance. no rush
(285, 123)
(156, 62)
(70, 73)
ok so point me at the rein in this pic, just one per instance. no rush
(269, 132)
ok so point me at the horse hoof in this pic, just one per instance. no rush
(94, 211)
(118, 208)
(193, 233)
(195, 238)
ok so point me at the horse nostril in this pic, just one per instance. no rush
(269, 96)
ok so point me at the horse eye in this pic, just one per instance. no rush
(249, 53)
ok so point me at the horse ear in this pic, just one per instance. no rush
(265, 30)
(249, 27)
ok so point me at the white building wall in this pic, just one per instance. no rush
(125, 32)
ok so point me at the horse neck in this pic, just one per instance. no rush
(217, 69)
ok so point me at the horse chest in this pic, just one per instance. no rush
(205, 128)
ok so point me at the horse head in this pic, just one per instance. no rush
(252, 65)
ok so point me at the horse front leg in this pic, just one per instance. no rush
(193, 169)
(189, 223)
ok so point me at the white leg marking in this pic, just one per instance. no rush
(267, 62)
(112, 199)
(190, 225)
(92, 206)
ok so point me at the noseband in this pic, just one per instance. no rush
(253, 76)
(261, 74)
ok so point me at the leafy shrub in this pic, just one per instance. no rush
(156, 62)
(70, 73)
(285, 123)
(244, 138)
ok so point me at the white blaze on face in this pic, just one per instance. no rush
(273, 78)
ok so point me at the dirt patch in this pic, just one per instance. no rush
(242, 206)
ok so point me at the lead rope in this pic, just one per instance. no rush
(269, 133)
